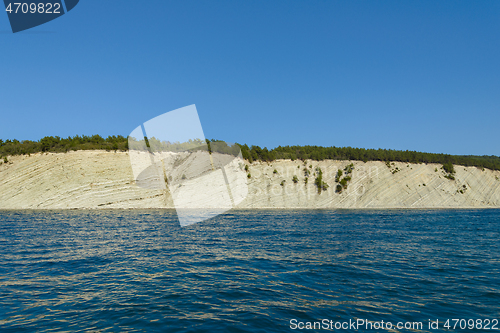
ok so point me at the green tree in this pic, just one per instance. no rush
(448, 167)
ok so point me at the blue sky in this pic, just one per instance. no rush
(416, 75)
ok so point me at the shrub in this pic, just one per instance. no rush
(337, 177)
(448, 167)
(246, 167)
(349, 168)
(249, 175)
(184, 177)
(283, 183)
(306, 180)
(5, 160)
(449, 176)
(275, 171)
(319, 181)
(338, 189)
(295, 179)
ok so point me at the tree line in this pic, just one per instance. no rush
(56, 144)
(256, 153)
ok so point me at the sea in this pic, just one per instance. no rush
(250, 271)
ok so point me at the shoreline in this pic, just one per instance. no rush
(2, 210)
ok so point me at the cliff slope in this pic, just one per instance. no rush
(99, 179)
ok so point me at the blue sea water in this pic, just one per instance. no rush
(246, 271)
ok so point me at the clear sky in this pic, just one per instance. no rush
(416, 75)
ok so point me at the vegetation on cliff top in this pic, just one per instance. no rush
(61, 145)
(254, 153)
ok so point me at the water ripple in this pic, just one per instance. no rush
(245, 271)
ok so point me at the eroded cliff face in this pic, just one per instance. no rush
(98, 179)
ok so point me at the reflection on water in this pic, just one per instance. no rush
(244, 271)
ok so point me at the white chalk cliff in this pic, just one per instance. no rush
(99, 179)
